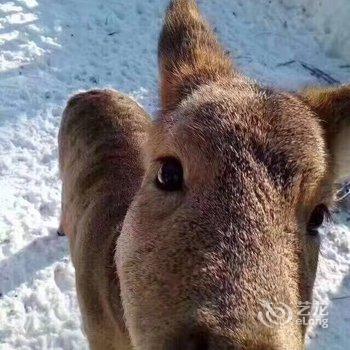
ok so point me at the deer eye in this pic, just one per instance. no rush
(170, 175)
(317, 217)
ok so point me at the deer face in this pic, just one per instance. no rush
(238, 179)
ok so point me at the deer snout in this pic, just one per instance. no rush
(200, 340)
(190, 341)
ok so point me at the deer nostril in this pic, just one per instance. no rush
(193, 341)
(198, 341)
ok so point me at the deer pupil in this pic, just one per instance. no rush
(170, 175)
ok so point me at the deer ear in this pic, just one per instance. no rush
(332, 105)
(188, 52)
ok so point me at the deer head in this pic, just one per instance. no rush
(238, 179)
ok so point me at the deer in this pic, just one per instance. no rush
(180, 226)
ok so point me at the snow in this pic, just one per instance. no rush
(51, 49)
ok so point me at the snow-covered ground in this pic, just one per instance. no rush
(50, 49)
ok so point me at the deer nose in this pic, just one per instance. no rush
(191, 341)
(201, 341)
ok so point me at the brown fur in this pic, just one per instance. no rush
(332, 105)
(100, 139)
(193, 265)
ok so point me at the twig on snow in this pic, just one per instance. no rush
(340, 298)
(285, 63)
(319, 74)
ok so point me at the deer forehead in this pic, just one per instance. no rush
(227, 129)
